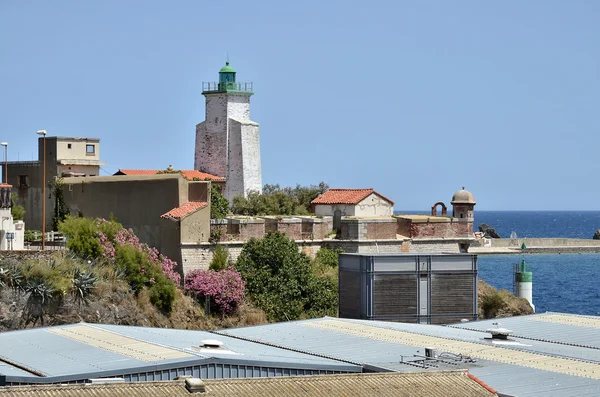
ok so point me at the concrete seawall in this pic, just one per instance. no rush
(536, 246)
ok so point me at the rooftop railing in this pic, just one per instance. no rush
(208, 86)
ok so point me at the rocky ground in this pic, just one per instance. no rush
(493, 303)
(115, 304)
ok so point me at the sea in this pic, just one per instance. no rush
(567, 283)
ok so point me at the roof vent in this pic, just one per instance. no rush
(105, 381)
(498, 332)
(211, 344)
(195, 385)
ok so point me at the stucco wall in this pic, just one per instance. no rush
(329, 209)
(244, 173)
(88, 170)
(136, 201)
(196, 226)
(374, 205)
(78, 148)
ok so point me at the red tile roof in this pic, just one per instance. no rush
(187, 174)
(185, 210)
(346, 196)
(5, 185)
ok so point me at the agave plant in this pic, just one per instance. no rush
(39, 292)
(40, 295)
(13, 277)
(83, 285)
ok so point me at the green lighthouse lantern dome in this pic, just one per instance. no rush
(227, 77)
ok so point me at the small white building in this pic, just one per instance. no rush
(12, 234)
(352, 202)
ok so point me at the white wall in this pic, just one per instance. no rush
(329, 209)
(244, 174)
(7, 225)
(228, 144)
(374, 205)
(88, 170)
(78, 149)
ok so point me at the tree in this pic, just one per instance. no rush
(219, 206)
(60, 208)
(17, 211)
(275, 200)
(279, 279)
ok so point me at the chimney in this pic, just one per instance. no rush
(195, 385)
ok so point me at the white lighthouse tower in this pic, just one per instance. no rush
(227, 141)
(524, 282)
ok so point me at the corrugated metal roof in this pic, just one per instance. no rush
(82, 351)
(391, 345)
(437, 384)
(569, 329)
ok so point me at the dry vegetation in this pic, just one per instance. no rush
(113, 302)
(493, 303)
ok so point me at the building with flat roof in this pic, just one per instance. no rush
(421, 288)
(64, 157)
(549, 354)
(164, 211)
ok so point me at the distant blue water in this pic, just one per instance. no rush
(561, 283)
(570, 224)
(564, 283)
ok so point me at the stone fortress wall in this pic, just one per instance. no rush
(392, 234)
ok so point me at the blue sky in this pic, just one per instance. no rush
(415, 99)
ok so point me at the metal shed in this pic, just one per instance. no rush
(427, 288)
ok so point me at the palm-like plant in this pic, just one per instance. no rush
(83, 285)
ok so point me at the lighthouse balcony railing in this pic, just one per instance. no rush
(208, 86)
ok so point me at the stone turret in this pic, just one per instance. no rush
(463, 209)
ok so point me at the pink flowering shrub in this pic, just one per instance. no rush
(225, 288)
(111, 240)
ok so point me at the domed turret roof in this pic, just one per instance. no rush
(463, 197)
(227, 69)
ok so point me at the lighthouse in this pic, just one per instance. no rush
(523, 282)
(227, 141)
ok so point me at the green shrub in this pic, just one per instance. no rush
(276, 200)
(141, 273)
(491, 304)
(16, 211)
(162, 294)
(32, 235)
(220, 258)
(280, 281)
(219, 206)
(82, 235)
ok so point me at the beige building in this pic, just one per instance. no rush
(352, 202)
(64, 157)
(164, 210)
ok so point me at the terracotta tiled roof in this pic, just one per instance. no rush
(187, 174)
(346, 196)
(422, 384)
(183, 211)
(5, 185)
